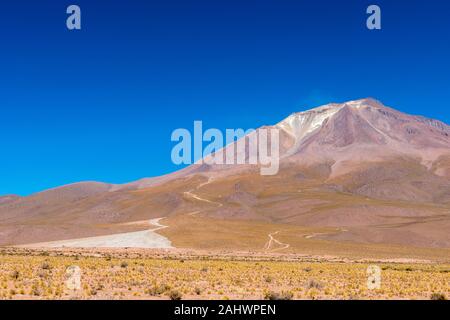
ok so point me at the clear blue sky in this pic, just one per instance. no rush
(101, 103)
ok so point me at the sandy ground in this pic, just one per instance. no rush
(139, 239)
(119, 273)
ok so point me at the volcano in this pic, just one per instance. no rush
(352, 174)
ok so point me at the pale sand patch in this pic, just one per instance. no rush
(139, 239)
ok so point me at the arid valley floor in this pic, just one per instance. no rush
(183, 274)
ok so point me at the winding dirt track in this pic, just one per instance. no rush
(196, 197)
(312, 235)
(272, 240)
(269, 244)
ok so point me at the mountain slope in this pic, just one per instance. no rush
(357, 171)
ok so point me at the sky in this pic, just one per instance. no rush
(100, 103)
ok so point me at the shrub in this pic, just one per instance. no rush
(175, 295)
(124, 264)
(284, 295)
(438, 296)
(45, 265)
(15, 274)
(42, 274)
(36, 291)
(158, 289)
(313, 284)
